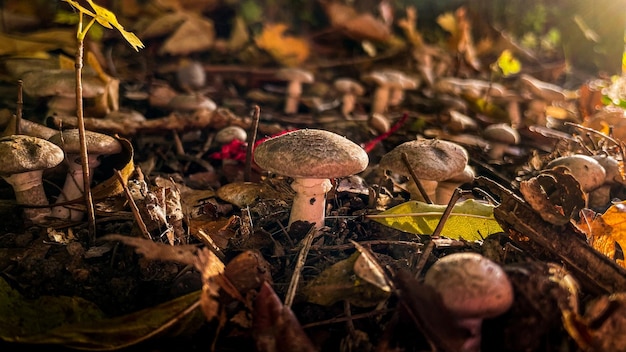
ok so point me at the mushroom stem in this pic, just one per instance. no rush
(348, 103)
(28, 189)
(309, 203)
(73, 188)
(294, 91)
(381, 100)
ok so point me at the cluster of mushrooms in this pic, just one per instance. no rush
(25, 159)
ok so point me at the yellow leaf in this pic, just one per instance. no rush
(287, 50)
(447, 21)
(508, 64)
(107, 19)
(470, 220)
(599, 233)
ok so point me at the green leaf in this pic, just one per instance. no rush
(469, 220)
(508, 64)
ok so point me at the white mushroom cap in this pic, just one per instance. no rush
(295, 74)
(230, 133)
(430, 159)
(470, 285)
(587, 170)
(311, 153)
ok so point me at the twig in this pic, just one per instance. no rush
(247, 173)
(431, 244)
(416, 180)
(20, 107)
(84, 161)
(297, 271)
(133, 205)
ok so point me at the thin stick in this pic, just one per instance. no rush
(297, 270)
(431, 244)
(247, 173)
(20, 107)
(418, 183)
(91, 213)
(133, 205)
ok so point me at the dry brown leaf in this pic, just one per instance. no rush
(184, 254)
(211, 268)
(287, 50)
(194, 35)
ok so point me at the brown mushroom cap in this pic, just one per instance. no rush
(97, 143)
(311, 153)
(501, 133)
(471, 285)
(430, 159)
(21, 153)
(59, 82)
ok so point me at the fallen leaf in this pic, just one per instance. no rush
(275, 328)
(338, 283)
(469, 220)
(554, 194)
(287, 50)
(196, 34)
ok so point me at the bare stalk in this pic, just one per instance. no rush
(91, 216)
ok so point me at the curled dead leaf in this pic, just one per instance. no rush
(554, 194)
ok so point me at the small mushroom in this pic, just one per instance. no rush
(501, 137)
(22, 162)
(190, 102)
(98, 145)
(431, 160)
(472, 288)
(231, 133)
(190, 75)
(402, 82)
(350, 90)
(585, 169)
(601, 196)
(311, 157)
(296, 77)
(380, 100)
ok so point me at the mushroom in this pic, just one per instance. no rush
(98, 145)
(402, 83)
(230, 133)
(190, 102)
(472, 288)
(295, 77)
(350, 90)
(601, 196)
(190, 75)
(380, 100)
(23, 160)
(500, 136)
(432, 161)
(585, 169)
(445, 188)
(60, 86)
(311, 157)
